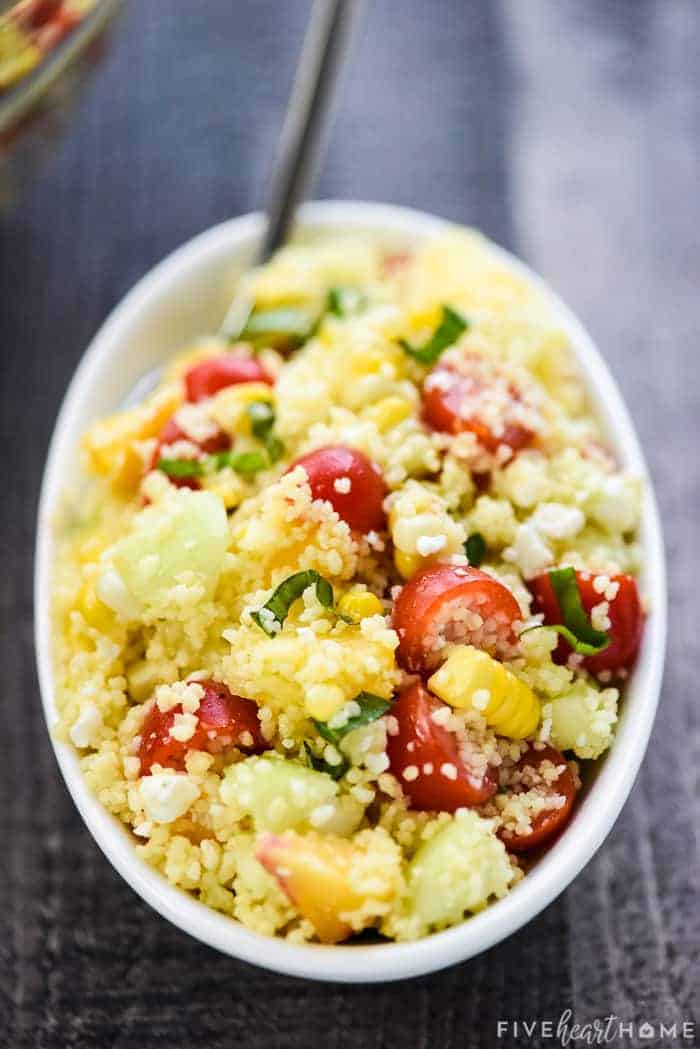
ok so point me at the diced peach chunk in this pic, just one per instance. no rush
(337, 884)
(111, 444)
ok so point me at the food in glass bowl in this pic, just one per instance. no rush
(30, 29)
(349, 603)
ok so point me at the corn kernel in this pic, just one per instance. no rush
(388, 412)
(470, 678)
(229, 406)
(95, 613)
(359, 604)
(230, 488)
(406, 564)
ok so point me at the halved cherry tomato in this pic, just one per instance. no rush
(454, 399)
(549, 822)
(208, 377)
(171, 433)
(425, 757)
(350, 482)
(625, 615)
(223, 720)
(430, 612)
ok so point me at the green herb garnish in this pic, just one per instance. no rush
(275, 610)
(262, 421)
(321, 765)
(475, 549)
(371, 708)
(344, 301)
(448, 331)
(282, 327)
(182, 467)
(576, 627)
(248, 463)
(245, 463)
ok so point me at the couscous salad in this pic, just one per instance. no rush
(349, 602)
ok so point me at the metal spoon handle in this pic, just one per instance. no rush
(307, 121)
(306, 124)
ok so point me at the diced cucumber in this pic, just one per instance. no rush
(281, 795)
(457, 871)
(181, 539)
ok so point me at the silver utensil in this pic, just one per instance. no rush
(332, 27)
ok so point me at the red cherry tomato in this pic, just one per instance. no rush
(171, 433)
(549, 822)
(624, 613)
(455, 398)
(333, 469)
(209, 376)
(425, 758)
(223, 720)
(440, 603)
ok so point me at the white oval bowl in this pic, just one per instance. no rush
(182, 297)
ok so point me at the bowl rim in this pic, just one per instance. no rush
(615, 776)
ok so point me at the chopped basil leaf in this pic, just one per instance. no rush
(275, 610)
(475, 549)
(181, 467)
(262, 420)
(219, 460)
(248, 463)
(576, 627)
(344, 301)
(321, 765)
(280, 326)
(448, 331)
(275, 448)
(371, 708)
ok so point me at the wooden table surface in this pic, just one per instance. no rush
(568, 131)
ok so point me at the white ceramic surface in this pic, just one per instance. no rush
(182, 297)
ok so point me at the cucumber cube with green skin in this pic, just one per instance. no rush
(281, 795)
(182, 539)
(457, 871)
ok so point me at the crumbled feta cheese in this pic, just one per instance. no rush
(529, 551)
(430, 544)
(195, 421)
(557, 521)
(166, 797)
(83, 732)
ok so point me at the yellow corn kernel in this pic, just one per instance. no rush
(95, 613)
(230, 488)
(359, 604)
(388, 412)
(229, 406)
(470, 678)
(407, 564)
(111, 444)
(372, 359)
